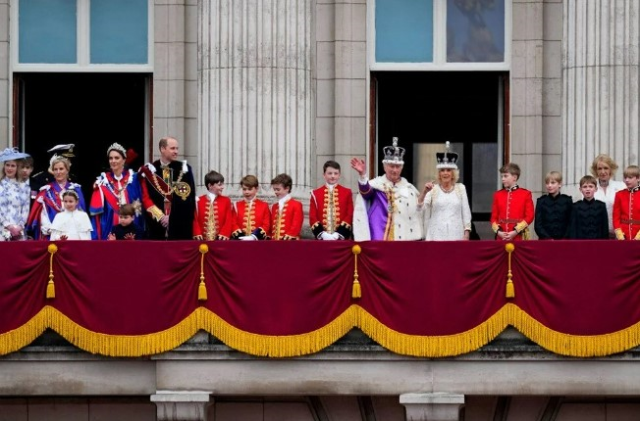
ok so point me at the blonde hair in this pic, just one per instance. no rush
(607, 160)
(454, 177)
(553, 175)
(632, 171)
(55, 160)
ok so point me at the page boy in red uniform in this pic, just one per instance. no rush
(213, 217)
(287, 215)
(626, 207)
(331, 207)
(512, 210)
(252, 215)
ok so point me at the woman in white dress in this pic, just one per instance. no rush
(447, 216)
(604, 169)
(14, 196)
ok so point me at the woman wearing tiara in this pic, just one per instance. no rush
(48, 202)
(112, 189)
(447, 215)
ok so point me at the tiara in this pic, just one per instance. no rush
(447, 159)
(70, 192)
(117, 147)
(393, 154)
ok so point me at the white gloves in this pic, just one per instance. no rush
(326, 236)
(337, 236)
(248, 238)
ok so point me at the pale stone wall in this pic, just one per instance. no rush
(527, 77)
(175, 77)
(342, 89)
(5, 97)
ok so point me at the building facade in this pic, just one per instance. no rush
(266, 87)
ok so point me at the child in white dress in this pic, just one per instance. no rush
(71, 224)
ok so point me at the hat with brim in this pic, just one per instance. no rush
(12, 154)
(63, 150)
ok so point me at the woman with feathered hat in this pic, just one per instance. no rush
(114, 188)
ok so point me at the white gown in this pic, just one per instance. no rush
(446, 215)
(75, 225)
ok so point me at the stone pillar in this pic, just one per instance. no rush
(255, 90)
(182, 405)
(600, 84)
(432, 406)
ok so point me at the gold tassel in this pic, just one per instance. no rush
(511, 291)
(51, 287)
(202, 288)
(356, 291)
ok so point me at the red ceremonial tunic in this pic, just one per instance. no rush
(288, 223)
(213, 221)
(331, 211)
(252, 218)
(626, 214)
(512, 209)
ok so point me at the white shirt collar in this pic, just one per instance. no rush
(212, 196)
(330, 186)
(284, 200)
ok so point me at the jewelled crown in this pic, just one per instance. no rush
(447, 159)
(393, 154)
(117, 147)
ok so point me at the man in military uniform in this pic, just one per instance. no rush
(168, 194)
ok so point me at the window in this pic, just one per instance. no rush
(439, 34)
(72, 35)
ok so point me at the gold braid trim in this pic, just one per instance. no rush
(520, 226)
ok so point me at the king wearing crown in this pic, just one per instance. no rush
(387, 206)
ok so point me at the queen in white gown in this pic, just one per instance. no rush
(447, 216)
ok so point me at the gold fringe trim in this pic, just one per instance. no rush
(573, 345)
(432, 346)
(18, 338)
(317, 340)
(280, 346)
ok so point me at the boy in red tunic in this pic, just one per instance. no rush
(331, 207)
(626, 207)
(287, 212)
(213, 217)
(512, 210)
(252, 215)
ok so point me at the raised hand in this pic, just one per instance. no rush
(359, 165)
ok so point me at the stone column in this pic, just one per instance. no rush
(600, 84)
(182, 405)
(255, 90)
(432, 406)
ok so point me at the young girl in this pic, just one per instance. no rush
(72, 224)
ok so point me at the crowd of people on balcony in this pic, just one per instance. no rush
(158, 202)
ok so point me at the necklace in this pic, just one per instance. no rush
(117, 192)
(447, 190)
(170, 190)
